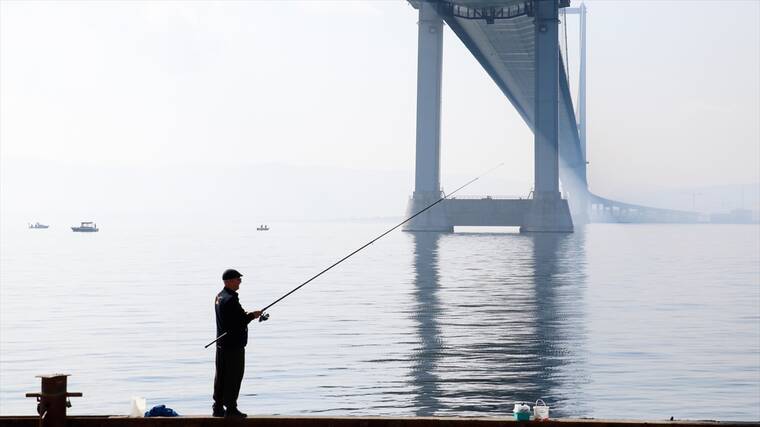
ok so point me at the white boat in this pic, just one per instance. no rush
(38, 225)
(86, 227)
(262, 227)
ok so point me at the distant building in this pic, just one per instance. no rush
(736, 216)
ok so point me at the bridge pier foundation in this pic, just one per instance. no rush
(548, 215)
(434, 219)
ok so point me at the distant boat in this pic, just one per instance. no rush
(38, 225)
(86, 227)
(262, 227)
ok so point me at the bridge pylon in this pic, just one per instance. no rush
(427, 176)
(547, 211)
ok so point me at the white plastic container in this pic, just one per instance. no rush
(540, 411)
(521, 412)
(138, 407)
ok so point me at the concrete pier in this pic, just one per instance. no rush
(427, 177)
(531, 215)
(549, 212)
(434, 219)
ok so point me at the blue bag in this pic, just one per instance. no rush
(161, 411)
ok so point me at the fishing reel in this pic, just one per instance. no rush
(264, 317)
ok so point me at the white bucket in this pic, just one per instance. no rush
(540, 411)
(138, 407)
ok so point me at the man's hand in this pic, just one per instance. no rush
(254, 314)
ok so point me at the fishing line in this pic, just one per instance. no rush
(264, 316)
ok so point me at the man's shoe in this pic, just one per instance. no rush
(218, 411)
(234, 413)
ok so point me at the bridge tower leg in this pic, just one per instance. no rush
(585, 207)
(427, 178)
(549, 212)
(582, 82)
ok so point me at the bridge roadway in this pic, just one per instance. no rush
(501, 35)
(606, 210)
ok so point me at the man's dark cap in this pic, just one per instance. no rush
(231, 274)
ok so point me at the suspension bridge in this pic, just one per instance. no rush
(517, 42)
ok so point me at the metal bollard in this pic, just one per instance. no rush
(53, 400)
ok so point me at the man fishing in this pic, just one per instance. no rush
(232, 328)
(232, 325)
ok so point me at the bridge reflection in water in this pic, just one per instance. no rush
(513, 330)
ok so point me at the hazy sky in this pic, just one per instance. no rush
(185, 104)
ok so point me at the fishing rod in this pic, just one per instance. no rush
(264, 316)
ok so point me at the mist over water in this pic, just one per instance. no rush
(180, 126)
(612, 321)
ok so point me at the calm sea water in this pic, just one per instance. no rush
(618, 321)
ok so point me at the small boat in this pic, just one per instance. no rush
(38, 225)
(262, 227)
(86, 227)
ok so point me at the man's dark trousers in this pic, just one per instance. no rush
(230, 366)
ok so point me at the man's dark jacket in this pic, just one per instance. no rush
(232, 319)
